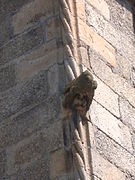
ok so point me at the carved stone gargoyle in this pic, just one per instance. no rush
(79, 94)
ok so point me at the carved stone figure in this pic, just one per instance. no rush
(79, 94)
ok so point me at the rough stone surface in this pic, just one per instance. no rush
(84, 56)
(121, 16)
(111, 126)
(2, 164)
(53, 80)
(105, 96)
(96, 42)
(127, 113)
(31, 149)
(17, 128)
(21, 45)
(115, 37)
(37, 170)
(31, 92)
(102, 7)
(114, 153)
(59, 158)
(124, 67)
(7, 77)
(52, 139)
(104, 169)
(40, 59)
(31, 13)
(25, 151)
(5, 31)
(117, 83)
(8, 8)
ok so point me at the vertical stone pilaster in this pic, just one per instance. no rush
(76, 134)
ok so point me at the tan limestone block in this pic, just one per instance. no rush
(105, 96)
(101, 6)
(113, 127)
(104, 169)
(117, 83)
(80, 7)
(97, 43)
(84, 57)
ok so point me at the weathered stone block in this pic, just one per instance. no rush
(115, 37)
(21, 45)
(84, 56)
(111, 126)
(96, 42)
(101, 6)
(7, 77)
(80, 9)
(114, 81)
(20, 127)
(31, 13)
(104, 169)
(62, 79)
(33, 148)
(52, 138)
(114, 153)
(121, 16)
(26, 151)
(37, 170)
(105, 96)
(57, 163)
(7, 7)
(53, 79)
(31, 92)
(39, 59)
(127, 113)
(2, 164)
(124, 67)
(5, 31)
(53, 28)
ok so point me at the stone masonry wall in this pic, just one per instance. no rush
(32, 79)
(30, 126)
(110, 47)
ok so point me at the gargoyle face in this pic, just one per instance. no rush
(82, 86)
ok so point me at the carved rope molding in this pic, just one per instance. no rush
(78, 96)
(68, 39)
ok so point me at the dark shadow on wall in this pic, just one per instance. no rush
(129, 5)
(134, 18)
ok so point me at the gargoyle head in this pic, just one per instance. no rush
(80, 92)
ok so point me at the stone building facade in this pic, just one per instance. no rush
(44, 44)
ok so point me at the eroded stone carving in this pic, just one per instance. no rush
(78, 98)
(79, 94)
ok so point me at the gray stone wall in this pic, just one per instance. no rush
(30, 126)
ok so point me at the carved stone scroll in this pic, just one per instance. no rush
(70, 48)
